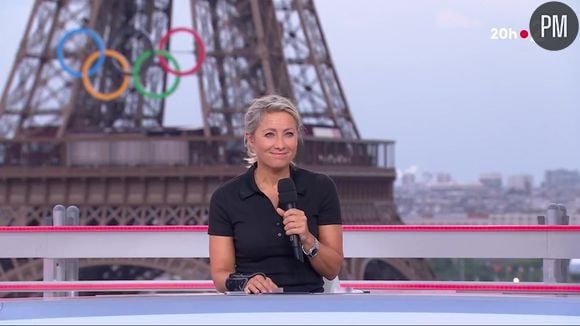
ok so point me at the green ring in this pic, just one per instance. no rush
(137, 69)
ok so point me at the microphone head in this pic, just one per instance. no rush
(287, 191)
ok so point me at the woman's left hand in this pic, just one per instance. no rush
(295, 222)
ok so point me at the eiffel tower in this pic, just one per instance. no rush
(111, 155)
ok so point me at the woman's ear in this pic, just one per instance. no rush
(250, 139)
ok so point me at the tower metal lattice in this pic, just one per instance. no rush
(115, 159)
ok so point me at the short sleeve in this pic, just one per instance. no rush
(219, 222)
(330, 204)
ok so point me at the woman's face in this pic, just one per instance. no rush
(275, 140)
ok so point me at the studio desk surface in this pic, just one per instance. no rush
(375, 307)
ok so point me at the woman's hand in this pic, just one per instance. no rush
(295, 222)
(260, 284)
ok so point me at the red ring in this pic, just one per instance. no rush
(200, 56)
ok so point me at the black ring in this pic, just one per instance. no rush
(120, 39)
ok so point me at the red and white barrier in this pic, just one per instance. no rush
(360, 241)
(345, 286)
(382, 241)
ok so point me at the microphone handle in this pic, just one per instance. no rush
(296, 248)
(294, 239)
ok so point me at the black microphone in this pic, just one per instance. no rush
(287, 197)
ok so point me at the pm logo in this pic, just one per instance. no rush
(554, 26)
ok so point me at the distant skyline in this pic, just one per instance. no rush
(426, 74)
(424, 176)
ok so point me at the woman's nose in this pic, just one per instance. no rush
(280, 142)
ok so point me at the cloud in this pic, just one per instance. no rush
(454, 19)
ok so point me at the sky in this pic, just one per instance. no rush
(426, 74)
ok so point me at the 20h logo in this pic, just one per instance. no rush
(554, 26)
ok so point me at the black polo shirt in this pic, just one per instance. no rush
(240, 210)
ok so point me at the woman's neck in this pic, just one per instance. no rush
(269, 177)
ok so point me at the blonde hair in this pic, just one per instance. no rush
(260, 107)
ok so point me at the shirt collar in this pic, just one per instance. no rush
(249, 186)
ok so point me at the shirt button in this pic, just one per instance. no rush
(279, 234)
(278, 224)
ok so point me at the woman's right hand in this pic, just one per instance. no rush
(260, 284)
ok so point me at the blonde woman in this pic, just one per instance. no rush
(249, 231)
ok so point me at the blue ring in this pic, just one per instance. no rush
(100, 45)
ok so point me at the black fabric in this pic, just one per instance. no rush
(240, 210)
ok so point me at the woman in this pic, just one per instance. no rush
(249, 233)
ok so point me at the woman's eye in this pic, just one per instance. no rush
(290, 134)
(269, 134)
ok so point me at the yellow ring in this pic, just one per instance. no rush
(87, 83)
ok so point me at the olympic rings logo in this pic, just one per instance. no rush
(97, 58)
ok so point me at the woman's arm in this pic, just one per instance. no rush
(222, 263)
(221, 259)
(329, 259)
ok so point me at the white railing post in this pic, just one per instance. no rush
(52, 269)
(555, 270)
(61, 269)
(71, 265)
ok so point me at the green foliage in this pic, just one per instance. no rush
(499, 270)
